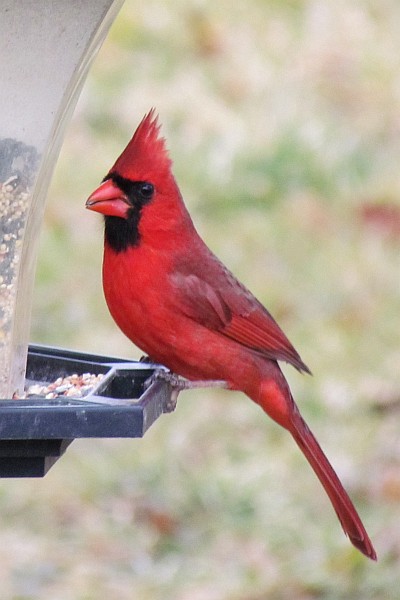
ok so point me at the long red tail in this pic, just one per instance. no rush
(341, 502)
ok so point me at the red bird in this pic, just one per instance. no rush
(175, 300)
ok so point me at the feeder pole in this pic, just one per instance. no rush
(46, 48)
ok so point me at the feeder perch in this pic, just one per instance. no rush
(46, 48)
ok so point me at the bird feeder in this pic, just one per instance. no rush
(46, 48)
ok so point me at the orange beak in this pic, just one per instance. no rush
(109, 200)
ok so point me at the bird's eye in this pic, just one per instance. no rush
(146, 190)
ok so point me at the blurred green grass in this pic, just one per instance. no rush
(282, 120)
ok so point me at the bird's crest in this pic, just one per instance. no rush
(146, 153)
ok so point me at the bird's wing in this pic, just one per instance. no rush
(218, 301)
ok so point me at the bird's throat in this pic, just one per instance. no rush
(120, 234)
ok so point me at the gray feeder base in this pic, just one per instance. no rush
(35, 432)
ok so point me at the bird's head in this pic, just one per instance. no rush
(132, 181)
(140, 183)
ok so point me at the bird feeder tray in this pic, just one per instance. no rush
(35, 432)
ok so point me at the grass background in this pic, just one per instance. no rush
(283, 120)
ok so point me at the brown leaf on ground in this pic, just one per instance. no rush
(383, 218)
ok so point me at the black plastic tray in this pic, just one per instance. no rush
(35, 432)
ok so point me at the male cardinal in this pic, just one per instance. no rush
(175, 300)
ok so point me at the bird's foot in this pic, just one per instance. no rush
(178, 384)
(145, 359)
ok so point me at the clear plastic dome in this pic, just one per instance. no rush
(45, 50)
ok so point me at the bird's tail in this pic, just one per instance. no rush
(341, 502)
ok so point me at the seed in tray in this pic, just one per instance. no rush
(62, 388)
(73, 386)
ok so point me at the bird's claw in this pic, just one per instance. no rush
(176, 383)
(163, 375)
(145, 359)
